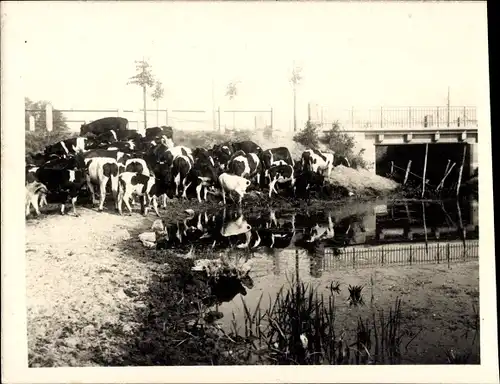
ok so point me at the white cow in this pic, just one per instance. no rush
(232, 183)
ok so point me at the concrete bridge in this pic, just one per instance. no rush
(411, 125)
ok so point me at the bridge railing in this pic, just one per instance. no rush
(387, 118)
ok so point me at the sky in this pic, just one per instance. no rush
(366, 55)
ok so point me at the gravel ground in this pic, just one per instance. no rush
(78, 282)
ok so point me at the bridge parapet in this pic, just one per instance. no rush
(397, 118)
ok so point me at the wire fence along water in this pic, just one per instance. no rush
(185, 120)
(401, 254)
(387, 118)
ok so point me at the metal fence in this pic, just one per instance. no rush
(402, 254)
(395, 118)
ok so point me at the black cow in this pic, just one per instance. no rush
(35, 159)
(307, 182)
(247, 146)
(204, 155)
(103, 125)
(276, 156)
(128, 134)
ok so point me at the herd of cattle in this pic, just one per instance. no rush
(152, 167)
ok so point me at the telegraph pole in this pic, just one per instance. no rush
(448, 108)
(213, 104)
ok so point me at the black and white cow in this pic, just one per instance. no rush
(279, 174)
(276, 156)
(246, 165)
(203, 175)
(318, 161)
(68, 147)
(102, 166)
(64, 179)
(131, 184)
(181, 167)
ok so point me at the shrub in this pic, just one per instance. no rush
(309, 136)
(343, 144)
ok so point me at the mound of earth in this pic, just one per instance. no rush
(361, 180)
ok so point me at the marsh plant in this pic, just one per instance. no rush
(299, 327)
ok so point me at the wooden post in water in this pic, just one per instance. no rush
(392, 167)
(407, 171)
(425, 231)
(461, 170)
(425, 168)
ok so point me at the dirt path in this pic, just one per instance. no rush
(78, 280)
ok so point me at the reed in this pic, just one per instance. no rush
(299, 327)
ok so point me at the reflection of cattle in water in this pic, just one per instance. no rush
(277, 230)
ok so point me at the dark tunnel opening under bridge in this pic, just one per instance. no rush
(438, 157)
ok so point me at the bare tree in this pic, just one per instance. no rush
(143, 78)
(157, 95)
(295, 81)
(231, 93)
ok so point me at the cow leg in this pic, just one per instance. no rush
(271, 187)
(102, 192)
(28, 206)
(155, 205)
(91, 189)
(114, 189)
(73, 201)
(184, 192)
(126, 200)
(144, 208)
(198, 190)
(43, 200)
(205, 190)
(224, 196)
(34, 202)
(258, 179)
(62, 209)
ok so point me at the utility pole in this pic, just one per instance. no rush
(294, 108)
(448, 108)
(144, 97)
(213, 104)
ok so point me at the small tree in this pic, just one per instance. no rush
(143, 78)
(343, 144)
(309, 136)
(231, 93)
(157, 95)
(37, 141)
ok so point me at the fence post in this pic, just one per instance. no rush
(409, 117)
(32, 123)
(437, 116)
(410, 254)
(465, 117)
(381, 118)
(382, 255)
(354, 257)
(448, 253)
(48, 118)
(425, 169)
(438, 253)
(218, 116)
(272, 122)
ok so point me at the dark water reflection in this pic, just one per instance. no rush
(312, 231)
